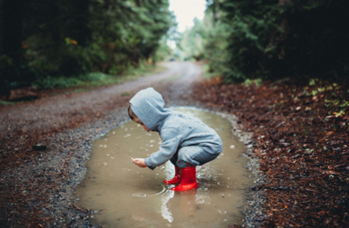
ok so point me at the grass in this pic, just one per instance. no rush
(95, 79)
(88, 81)
(206, 74)
(7, 102)
(256, 82)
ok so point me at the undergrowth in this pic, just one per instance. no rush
(94, 79)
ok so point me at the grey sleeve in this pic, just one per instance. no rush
(171, 139)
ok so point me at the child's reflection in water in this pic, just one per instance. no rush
(186, 206)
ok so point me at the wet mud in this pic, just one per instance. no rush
(128, 196)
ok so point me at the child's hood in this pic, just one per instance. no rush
(148, 106)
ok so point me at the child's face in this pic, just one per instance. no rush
(142, 125)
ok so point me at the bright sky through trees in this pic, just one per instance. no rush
(185, 12)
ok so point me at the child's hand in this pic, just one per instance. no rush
(139, 161)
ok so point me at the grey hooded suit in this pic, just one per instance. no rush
(186, 141)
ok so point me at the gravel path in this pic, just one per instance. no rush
(37, 186)
(54, 111)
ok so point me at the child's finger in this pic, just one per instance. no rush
(135, 160)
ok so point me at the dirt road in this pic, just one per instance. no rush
(57, 111)
(37, 186)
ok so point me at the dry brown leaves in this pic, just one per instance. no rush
(303, 149)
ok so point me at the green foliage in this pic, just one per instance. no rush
(7, 102)
(191, 42)
(250, 26)
(77, 37)
(90, 80)
(59, 82)
(256, 82)
(273, 39)
(215, 44)
(207, 40)
(163, 52)
(206, 71)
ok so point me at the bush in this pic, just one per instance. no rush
(273, 39)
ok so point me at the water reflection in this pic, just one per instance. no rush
(129, 196)
(188, 202)
(165, 212)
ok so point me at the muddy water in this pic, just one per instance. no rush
(129, 196)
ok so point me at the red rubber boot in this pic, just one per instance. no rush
(188, 179)
(177, 177)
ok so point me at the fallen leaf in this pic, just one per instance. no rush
(330, 172)
(322, 213)
(311, 190)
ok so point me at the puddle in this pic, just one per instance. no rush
(129, 196)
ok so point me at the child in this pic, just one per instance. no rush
(186, 141)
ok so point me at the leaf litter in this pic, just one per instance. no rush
(300, 137)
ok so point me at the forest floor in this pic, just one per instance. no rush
(300, 136)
